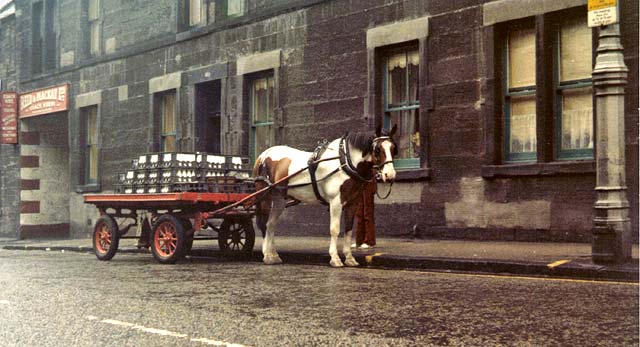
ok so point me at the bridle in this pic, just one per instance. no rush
(376, 151)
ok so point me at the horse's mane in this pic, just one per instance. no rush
(361, 141)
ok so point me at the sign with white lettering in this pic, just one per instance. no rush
(44, 101)
(602, 12)
(8, 118)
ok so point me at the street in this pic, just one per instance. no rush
(72, 299)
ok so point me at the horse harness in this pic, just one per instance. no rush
(345, 164)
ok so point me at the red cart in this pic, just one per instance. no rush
(168, 222)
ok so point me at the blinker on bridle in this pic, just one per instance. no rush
(375, 143)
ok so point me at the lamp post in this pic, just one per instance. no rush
(612, 230)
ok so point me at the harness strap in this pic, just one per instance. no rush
(346, 164)
(313, 166)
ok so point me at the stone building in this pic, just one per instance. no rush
(494, 100)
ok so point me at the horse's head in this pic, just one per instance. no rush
(384, 149)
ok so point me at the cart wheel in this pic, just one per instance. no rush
(236, 236)
(188, 239)
(168, 239)
(106, 237)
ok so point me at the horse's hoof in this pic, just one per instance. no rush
(336, 263)
(272, 259)
(351, 262)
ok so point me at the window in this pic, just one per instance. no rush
(93, 15)
(43, 36)
(401, 103)
(91, 149)
(574, 90)
(235, 8)
(548, 114)
(261, 112)
(520, 98)
(168, 122)
(192, 14)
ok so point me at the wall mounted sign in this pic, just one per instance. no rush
(602, 12)
(8, 118)
(44, 101)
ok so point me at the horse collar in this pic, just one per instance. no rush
(345, 161)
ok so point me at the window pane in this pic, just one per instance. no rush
(235, 7)
(95, 38)
(522, 124)
(168, 113)
(94, 9)
(407, 136)
(93, 163)
(195, 12)
(92, 126)
(575, 50)
(413, 60)
(264, 138)
(577, 119)
(262, 93)
(522, 58)
(169, 143)
(397, 78)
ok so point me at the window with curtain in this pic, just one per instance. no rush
(402, 105)
(91, 150)
(574, 90)
(261, 110)
(168, 122)
(566, 114)
(520, 96)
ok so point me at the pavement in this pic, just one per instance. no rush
(557, 260)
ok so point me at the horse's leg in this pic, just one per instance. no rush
(268, 247)
(349, 215)
(335, 208)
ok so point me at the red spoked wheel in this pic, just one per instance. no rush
(106, 237)
(168, 244)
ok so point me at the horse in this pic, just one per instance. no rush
(332, 175)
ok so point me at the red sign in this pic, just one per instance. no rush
(8, 117)
(44, 101)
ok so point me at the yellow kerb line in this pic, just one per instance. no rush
(557, 263)
(369, 258)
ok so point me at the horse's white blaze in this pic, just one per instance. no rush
(388, 172)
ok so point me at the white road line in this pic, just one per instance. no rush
(163, 332)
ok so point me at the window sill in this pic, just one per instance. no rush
(89, 188)
(540, 169)
(413, 174)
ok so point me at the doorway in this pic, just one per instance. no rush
(207, 114)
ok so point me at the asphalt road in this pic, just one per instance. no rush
(72, 299)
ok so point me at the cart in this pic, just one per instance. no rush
(168, 222)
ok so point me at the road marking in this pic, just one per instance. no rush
(369, 258)
(558, 263)
(523, 277)
(163, 332)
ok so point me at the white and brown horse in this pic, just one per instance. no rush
(335, 175)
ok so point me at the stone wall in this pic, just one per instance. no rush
(324, 68)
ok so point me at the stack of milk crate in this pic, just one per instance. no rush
(186, 172)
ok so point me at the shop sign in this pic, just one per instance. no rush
(8, 118)
(602, 12)
(43, 101)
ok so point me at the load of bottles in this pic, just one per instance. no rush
(171, 172)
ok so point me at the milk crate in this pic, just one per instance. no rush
(129, 177)
(211, 161)
(140, 177)
(179, 175)
(148, 161)
(177, 160)
(238, 166)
